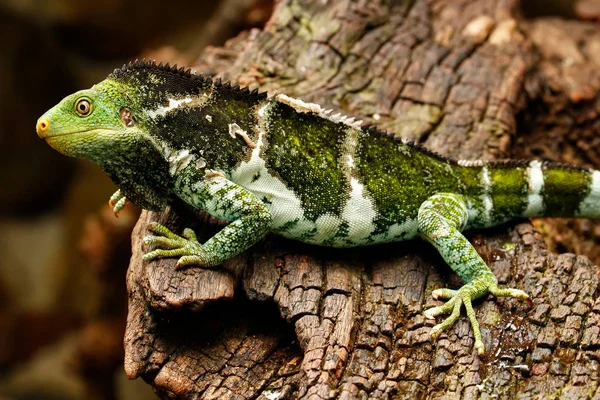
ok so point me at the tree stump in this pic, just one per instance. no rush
(284, 320)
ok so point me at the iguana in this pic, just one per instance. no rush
(278, 164)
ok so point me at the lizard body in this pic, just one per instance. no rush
(285, 166)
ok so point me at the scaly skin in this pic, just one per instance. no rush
(284, 166)
(117, 202)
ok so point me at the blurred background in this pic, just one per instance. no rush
(64, 258)
(64, 255)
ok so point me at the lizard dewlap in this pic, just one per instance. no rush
(289, 167)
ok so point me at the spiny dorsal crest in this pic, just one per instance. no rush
(140, 65)
(140, 71)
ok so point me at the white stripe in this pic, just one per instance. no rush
(263, 109)
(178, 159)
(285, 205)
(488, 205)
(359, 213)
(360, 210)
(590, 206)
(174, 104)
(535, 185)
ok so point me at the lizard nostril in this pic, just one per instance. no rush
(42, 126)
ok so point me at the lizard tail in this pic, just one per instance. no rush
(557, 190)
(533, 189)
(545, 189)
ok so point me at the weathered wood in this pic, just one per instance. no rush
(286, 320)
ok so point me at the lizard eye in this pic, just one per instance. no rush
(83, 107)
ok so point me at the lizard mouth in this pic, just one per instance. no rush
(48, 137)
(54, 135)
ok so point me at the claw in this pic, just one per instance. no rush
(479, 347)
(443, 293)
(162, 242)
(162, 230)
(172, 245)
(188, 260)
(435, 331)
(117, 202)
(509, 292)
(189, 234)
(114, 198)
(120, 206)
(160, 253)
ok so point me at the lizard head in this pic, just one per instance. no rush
(87, 123)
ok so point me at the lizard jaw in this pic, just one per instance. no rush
(79, 144)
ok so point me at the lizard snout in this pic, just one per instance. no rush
(42, 126)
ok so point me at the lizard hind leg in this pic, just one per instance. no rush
(440, 220)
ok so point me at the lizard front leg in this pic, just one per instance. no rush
(440, 220)
(251, 221)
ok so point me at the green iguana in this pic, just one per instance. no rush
(278, 164)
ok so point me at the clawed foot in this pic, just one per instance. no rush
(117, 202)
(465, 295)
(172, 245)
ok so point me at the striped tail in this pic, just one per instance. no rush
(558, 190)
(542, 189)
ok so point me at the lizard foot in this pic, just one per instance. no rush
(117, 202)
(171, 245)
(464, 296)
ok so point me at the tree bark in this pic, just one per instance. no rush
(468, 79)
